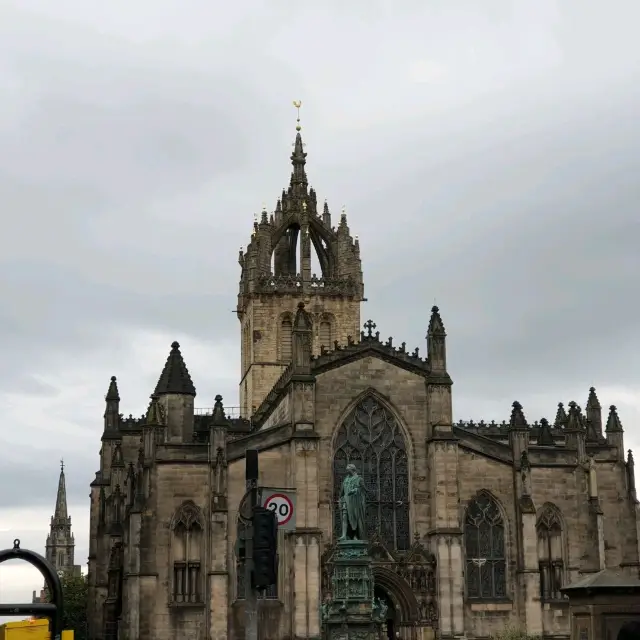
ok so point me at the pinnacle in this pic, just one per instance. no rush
(175, 378)
(592, 402)
(613, 421)
(155, 415)
(218, 419)
(436, 326)
(561, 415)
(302, 321)
(298, 156)
(575, 421)
(517, 416)
(545, 437)
(112, 393)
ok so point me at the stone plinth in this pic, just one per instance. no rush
(351, 613)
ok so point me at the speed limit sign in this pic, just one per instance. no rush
(283, 505)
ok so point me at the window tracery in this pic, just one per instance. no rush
(484, 534)
(550, 552)
(371, 439)
(187, 531)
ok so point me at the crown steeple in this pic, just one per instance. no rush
(278, 272)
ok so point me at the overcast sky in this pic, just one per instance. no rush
(487, 154)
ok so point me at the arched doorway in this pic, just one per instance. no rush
(391, 623)
(630, 631)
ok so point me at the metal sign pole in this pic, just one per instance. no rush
(250, 596)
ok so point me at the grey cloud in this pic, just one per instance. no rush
(136, 151)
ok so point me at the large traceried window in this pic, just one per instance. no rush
(286, 328)
(486, 576)
(188, 529)
(550, 552)
(371, 439)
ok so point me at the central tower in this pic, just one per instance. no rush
(277, 275)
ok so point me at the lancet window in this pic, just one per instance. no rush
(484, 535)
(370, 438)
(550, 553)
(188, 529)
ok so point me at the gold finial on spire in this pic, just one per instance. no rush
(255, 217)
(297, 104)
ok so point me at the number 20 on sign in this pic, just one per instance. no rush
(282, 503)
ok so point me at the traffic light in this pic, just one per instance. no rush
(265, 548)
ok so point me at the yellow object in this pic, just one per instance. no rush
(32, 629)
(25, 630)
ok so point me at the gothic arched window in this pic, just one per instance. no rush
(187, 539)
(371, 439)
(485, 549)
(286, 328)
(550, 552)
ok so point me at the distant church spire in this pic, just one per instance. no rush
(60, 514)
(60, 545)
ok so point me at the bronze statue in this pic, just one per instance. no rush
(352, 505)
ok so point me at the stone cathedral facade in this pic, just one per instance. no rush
(472, 525)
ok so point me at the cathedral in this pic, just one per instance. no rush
(472, 526)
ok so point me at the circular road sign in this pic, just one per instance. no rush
(281, 505)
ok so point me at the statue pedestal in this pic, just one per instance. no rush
(351, 612)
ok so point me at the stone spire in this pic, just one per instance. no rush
(436, 342)
(594, 417)
(60, 514)
(113, 395)
(517, 420)
(60, 541)
(575, 432)
(561, 416)
(614, 432)
(175, 378)
(545, 436)
(613, 421)
(112, 411)
(299, 180)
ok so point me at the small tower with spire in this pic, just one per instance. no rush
(60, 541)
(277, 274)
(176, 393)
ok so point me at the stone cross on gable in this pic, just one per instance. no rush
(369, 325)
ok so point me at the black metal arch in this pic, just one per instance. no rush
(54, 611)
